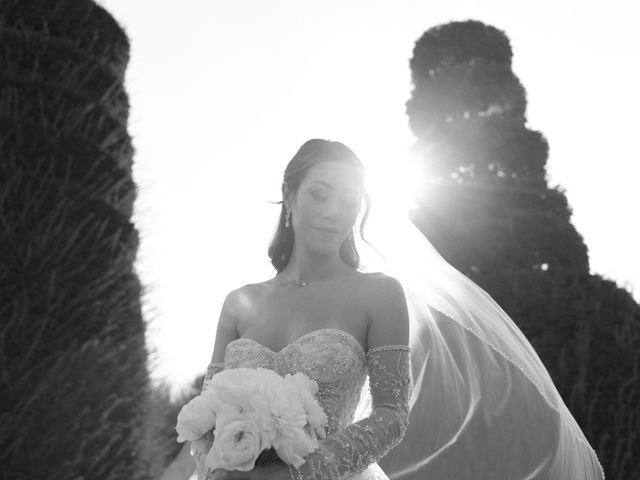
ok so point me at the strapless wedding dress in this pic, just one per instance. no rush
(337, 362)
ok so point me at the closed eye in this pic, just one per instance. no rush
(319, 196)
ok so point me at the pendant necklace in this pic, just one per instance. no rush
(299, 283)
(303, 283)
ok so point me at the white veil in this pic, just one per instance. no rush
(483, 404)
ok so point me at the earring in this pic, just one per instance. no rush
(286, 217)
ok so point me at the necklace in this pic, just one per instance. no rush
(303, 283)
(299, 283)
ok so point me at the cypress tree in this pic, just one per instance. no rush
(73, 356)
(489, 210)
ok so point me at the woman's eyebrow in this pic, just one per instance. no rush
(328, 185)
(322, 183)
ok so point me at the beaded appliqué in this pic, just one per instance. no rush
(357, 446)
(338, 363)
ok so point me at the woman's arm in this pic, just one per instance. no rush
(226, 332)
(354, 448)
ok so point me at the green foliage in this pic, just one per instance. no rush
(163, 435)
(489, 211)
(160, 431)
(587, 331)
(476, 89)
(458, 42)
(167, 414)
(73, 358)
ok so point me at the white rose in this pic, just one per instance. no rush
(195, 418)
(285, 407)
(307, 389)
(302, 382)
(298, 446)
(263, 416)
(235, 386)
(268, 379)
(237, 442)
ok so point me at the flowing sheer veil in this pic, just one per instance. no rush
(483, 404)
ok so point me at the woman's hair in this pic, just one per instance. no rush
(312, 153)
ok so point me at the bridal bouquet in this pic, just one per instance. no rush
(243, 412)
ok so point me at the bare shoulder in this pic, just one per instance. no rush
(239, 300)
(379, 287)
(236, 307)
(388, 318)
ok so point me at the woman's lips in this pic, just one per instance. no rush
(328, 231)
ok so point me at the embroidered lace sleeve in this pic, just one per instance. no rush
(197, 450)
(354, 448)
(212, 369)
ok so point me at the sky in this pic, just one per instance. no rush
(224, 92)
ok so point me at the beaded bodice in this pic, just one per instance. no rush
(338, 363)
(332, 357)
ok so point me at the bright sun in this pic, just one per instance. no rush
(393, 186)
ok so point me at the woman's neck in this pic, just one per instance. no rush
(308, 267)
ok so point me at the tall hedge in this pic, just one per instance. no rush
(491, 212)
(73, 358)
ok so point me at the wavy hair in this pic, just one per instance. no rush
(312, 153)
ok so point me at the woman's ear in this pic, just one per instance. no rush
(287, 195)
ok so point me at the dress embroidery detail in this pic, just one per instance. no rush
(336, 360)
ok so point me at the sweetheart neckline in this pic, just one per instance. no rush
(353, 339)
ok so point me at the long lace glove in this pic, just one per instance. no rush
(357, 446)
(212, 369)
(202, 472)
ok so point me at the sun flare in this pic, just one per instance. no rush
(394, 185)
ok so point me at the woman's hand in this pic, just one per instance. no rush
(272, 471)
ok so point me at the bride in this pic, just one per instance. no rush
(454, 389)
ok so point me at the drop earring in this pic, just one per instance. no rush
(286, 217)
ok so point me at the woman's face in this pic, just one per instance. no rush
(325, 207)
